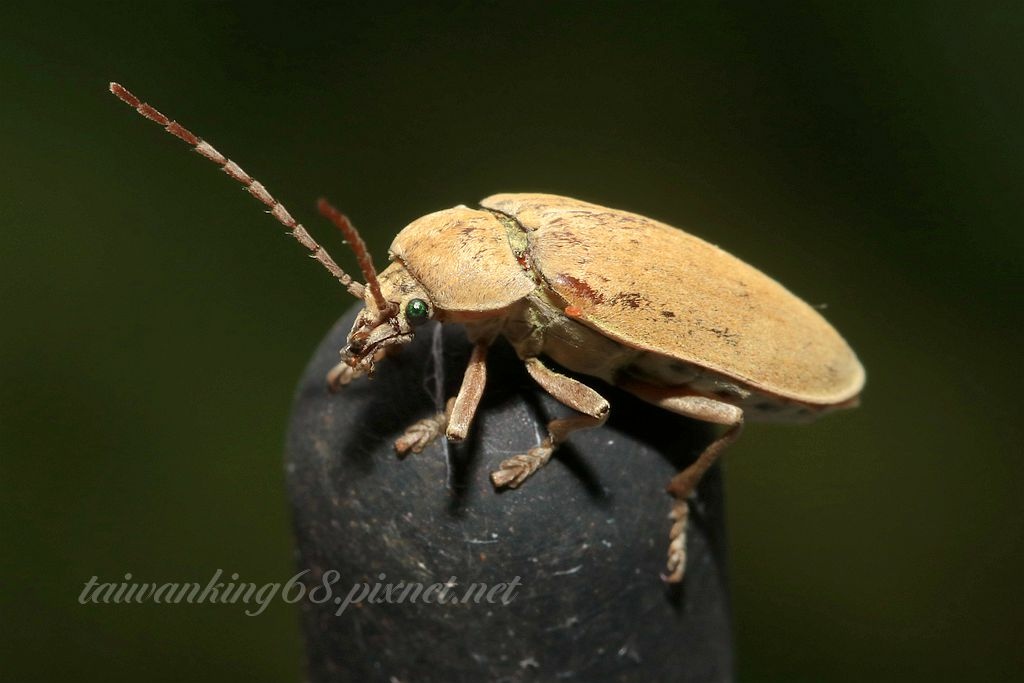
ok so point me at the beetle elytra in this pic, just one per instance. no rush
(670, 318)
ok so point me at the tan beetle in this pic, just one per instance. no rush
(668, 317)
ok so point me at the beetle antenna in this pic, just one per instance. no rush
(254, 188)
(355, 241)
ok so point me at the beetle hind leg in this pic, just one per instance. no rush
(679, 401)
(680, 487)
(512, 472)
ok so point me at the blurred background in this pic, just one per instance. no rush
(155, 322)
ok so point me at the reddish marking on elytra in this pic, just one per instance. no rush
(579, 288)
(573, 311)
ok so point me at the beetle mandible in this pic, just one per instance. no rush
(670, 318)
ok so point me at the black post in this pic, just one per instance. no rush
(578, 547)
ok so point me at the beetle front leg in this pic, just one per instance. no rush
(576, 395)
(342, 374)
(454, 422)
(470, 392)
(419, 435)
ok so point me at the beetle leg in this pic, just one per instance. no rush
(594, 408)
(455, 420)
(469, 393)
(683, 484)
(420, 434)
(342, 374)
(680, 487)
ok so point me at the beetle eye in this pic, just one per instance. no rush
(417, 311)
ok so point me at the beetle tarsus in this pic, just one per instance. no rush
(677, 542)
(341, 375)
(515, 470)
(419, 435)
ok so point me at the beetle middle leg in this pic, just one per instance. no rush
(576, 395)
(680, 487)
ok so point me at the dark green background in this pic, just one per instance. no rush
(154, 322)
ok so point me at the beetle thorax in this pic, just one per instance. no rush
(462, 258)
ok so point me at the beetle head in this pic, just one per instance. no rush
(407, 306)
(395, 302)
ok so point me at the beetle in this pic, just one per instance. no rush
(668, 317)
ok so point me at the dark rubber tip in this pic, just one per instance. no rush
(570, 560)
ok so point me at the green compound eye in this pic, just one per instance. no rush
(417, 311)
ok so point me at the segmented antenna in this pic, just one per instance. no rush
(355, 241)
(254, 188)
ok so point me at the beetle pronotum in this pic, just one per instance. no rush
(668, 317)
